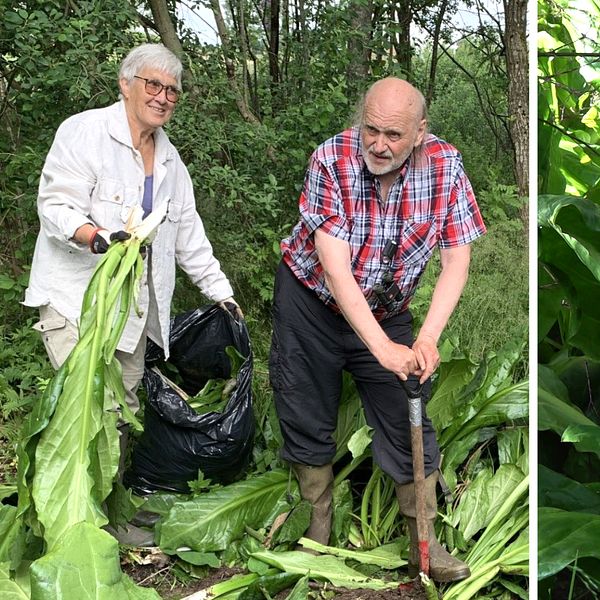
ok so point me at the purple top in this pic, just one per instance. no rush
(147, 200)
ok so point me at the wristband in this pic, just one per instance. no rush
(92, 236)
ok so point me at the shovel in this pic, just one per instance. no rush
(415, 416)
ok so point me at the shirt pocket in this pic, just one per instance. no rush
(113, 202)
(417, 242)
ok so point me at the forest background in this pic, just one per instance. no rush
(282, 78)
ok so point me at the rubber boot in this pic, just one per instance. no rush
(129, 535)
(443, 567)
(316, 486)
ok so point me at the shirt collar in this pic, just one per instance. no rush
(118, 128)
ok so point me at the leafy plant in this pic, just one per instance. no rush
(69, 450)
(569, 282)
(474, 406)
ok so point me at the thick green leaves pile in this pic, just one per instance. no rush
(491, 516)
(69, 449)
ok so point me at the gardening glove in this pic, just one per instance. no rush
(233, 309)
(101, 238)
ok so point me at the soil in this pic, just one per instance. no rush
(409, 593)
(157, 574)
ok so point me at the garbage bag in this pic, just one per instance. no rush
(177, 441)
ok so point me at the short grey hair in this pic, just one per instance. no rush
(154, 56)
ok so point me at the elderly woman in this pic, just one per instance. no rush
(102, 163)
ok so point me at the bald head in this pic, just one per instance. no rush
(394, 96)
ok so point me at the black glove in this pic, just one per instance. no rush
(101, 239)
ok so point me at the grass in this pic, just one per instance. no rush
(494, 306)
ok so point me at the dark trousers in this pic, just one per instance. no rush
(311, 346)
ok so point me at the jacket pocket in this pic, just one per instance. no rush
(114, 202)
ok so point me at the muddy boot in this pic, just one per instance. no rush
(316, 486)
(443, 567)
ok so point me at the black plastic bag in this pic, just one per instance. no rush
(177, 441)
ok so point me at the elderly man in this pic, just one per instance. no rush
(377, 200)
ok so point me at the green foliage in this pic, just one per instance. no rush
(569, 280)
(59, 59)
(86, 559)
(473, 122)
(473, 403)
(211, 522)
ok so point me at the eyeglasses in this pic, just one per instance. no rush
(154, 88)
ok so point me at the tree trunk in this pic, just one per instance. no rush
(165, 26)
(358, 46)
(515, 43)
(273, 50)
(240, 101)
(401, 42)
(434, 52)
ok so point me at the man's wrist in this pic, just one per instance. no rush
(429, 335)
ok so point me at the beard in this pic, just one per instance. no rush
(383, 169)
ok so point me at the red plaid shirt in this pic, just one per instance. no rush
(430, 204)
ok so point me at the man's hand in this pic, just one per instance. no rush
(399, 359)
(427, 355)
(233, 308)
(100, 239)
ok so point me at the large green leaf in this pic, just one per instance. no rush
(513, 447)
(557, 491)
(387, 556)
(509, 404)
(565, 537)
(211, 521)
(16, 588)
(453, 376)
(10, 527)
(556, 414)
(569, 248)
(322, 567)
(577, 221)
(84, 565)
(489, 398)
(63, 483)
(586, 437)
(484, 497)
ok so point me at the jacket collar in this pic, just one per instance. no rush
(118, 128)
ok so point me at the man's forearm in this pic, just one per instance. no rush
(334, 256)
(447, 291)
(356, 311)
